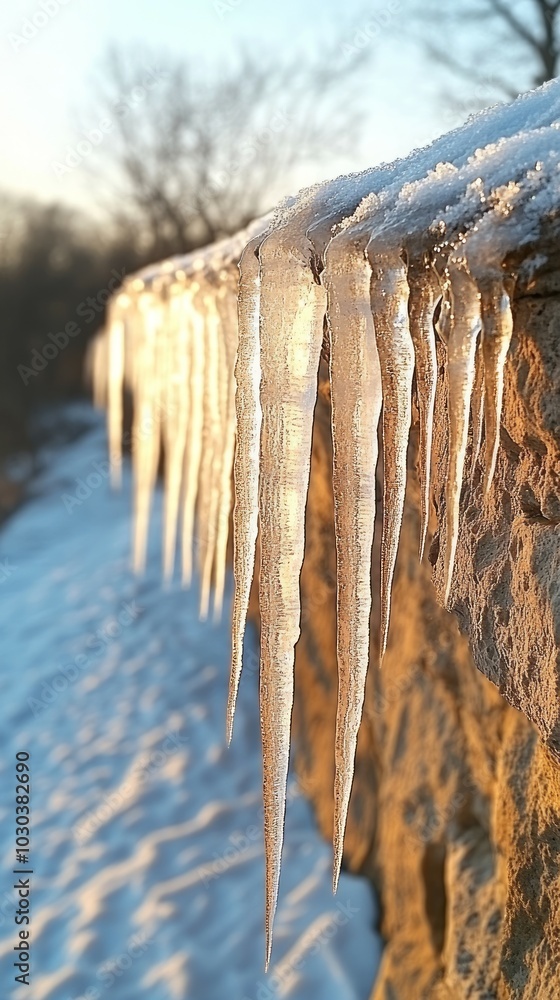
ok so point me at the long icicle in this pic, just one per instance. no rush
(292, 312)
(227, 305)
(176, 415)
(97, 368)
(424, 292)
(389, 302)
(193, 450)
(209, 471)
(477, 407)
(147, 427)
(461, 351)
(355, 377)
(497, 332)
(221, 442)
(164, 349)
(115, 386)
(246, 462)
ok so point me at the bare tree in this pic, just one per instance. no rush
(194, 157)
(499, 48)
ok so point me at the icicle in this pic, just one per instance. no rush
(146, 428)
(246, 463)
(477, 407)
(177, 405)
(491, 186)
(210, 535)
(355, 377)
(193, 450)
(424, 292)
(208, 499)
(443, 325)
(96, 368)
(115, 336)
(229, 328)
(134, 339)
(292, 309)
(389, 302)
(497, 331)
(461, 350)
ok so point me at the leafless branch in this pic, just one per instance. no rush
(198, 157)
(518, 48)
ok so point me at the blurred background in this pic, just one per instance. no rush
(131, 132)
(138, 130)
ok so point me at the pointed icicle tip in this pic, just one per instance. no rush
(336, 876)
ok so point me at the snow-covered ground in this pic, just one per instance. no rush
(146, 832)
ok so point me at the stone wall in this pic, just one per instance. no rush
(456, 802)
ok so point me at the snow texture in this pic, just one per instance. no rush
(385, 258)
(146, 831)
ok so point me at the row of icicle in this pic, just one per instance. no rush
(169, 345)
(386, 258)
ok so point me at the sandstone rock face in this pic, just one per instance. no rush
(455, 811)
(507, 585)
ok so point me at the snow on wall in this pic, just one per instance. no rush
(385, 259)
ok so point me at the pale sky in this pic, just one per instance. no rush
(50, 51)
